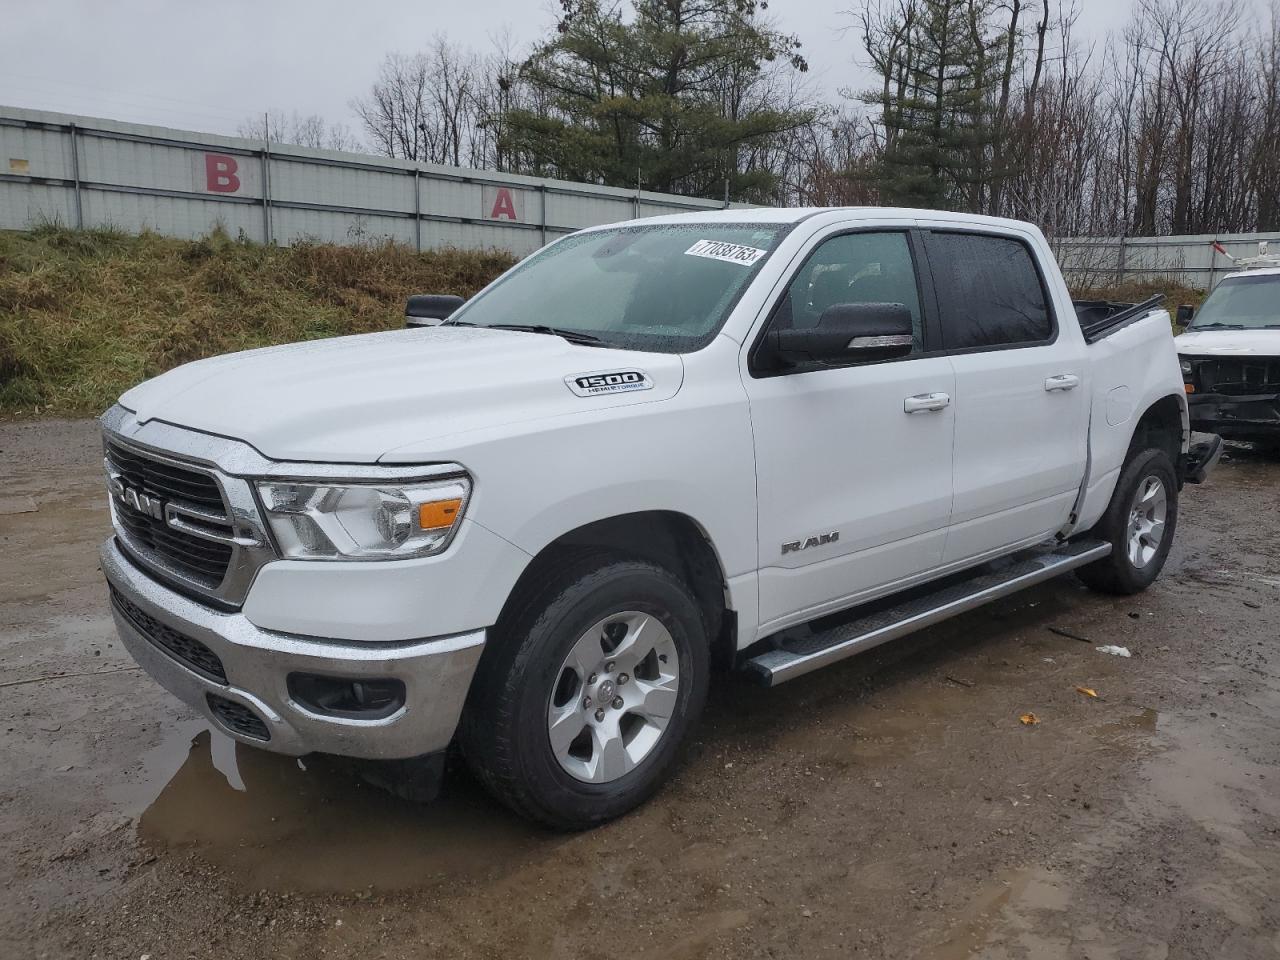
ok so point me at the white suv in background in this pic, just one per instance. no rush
(1230, 355)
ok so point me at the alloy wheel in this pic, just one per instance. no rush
(1147, 515)
(613, 697)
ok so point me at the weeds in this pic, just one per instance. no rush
(86, 314)
(1135, 291)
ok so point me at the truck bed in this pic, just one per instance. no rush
(1101, 318)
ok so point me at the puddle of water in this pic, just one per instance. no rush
(1141, 725)
(975, 928)
(1009, 905)
(279, 823)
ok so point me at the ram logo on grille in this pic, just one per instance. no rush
(133, 499)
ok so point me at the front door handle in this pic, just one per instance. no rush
(926, 403)
(1063, 381)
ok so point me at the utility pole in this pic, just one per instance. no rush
(266, 178)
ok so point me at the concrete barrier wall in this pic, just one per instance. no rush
(1191, 260)
(91, 172)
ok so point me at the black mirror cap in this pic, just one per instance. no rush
(850, 331)
(429, 309)
(1185, 312)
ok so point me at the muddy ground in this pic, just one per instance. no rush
(891, 806)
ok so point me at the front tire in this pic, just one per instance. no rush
(579, 706)
(1139, 524)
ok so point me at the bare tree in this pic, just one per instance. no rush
(1170, 126)
(394, 112)
(1263, 163)
(444, 105)
(310, 131)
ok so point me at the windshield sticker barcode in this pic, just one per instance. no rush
(728, 252)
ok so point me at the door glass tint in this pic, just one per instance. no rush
(853, 268)
(989, 293)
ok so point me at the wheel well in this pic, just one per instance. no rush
(1161, 427)
(672, 540)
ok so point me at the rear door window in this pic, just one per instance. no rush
(989, 291)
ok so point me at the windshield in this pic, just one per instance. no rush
(1241, 303)
(666, 288)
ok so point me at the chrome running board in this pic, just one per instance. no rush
(797, 652)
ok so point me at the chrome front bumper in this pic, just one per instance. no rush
(257, 663)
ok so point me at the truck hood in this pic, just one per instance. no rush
(353, 399)
(1262, 343)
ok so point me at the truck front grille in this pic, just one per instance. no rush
(187, 650)
(1236, 376)
(199, 559)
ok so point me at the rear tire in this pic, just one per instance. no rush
(1139, 524)
(581, 701)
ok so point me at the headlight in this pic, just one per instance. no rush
(363, 521)
(1186, 367)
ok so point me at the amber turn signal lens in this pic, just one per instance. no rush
(440, 513)
(1189, 387)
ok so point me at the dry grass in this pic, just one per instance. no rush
(84, 315)
(1135, 291)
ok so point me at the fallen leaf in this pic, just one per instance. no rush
(1087, 692)
(1028, 719)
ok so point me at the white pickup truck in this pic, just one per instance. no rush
(650, 447)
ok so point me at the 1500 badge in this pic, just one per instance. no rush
(608, 381)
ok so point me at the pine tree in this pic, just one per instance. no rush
(670, 98)
(942, 76)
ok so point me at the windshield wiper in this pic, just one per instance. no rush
(1216, 326)
(573, 336)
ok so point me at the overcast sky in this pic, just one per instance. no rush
(210, 65)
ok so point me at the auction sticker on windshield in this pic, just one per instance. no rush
(728, 252)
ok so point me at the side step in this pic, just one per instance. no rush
(795, 655)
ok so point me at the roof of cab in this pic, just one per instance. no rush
(1255, 272)
(796, 214)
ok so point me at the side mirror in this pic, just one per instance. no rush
(430, 309)
(1185, 312)
(851, 332)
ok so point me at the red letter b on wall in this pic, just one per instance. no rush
(220, 173)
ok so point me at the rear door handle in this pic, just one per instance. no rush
(926, 403)
(1063, 381)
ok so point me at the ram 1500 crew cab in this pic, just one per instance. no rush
(648, 448)
(1230, 356)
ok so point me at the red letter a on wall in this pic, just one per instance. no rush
(504, 207)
